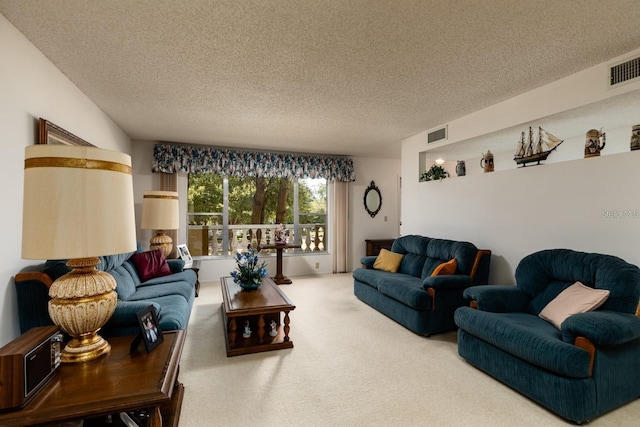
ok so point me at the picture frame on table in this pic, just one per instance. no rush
(50, 133)
(150, 332)
(185, 255)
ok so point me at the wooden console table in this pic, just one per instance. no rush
(259, 308)
(374, 246)
(117, 382)
(279, 278)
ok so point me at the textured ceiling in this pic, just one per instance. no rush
(318, 76)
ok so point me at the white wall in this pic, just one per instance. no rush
(514, 212)
(33, 87)
(386, 224)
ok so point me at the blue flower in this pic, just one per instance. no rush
(247, 268)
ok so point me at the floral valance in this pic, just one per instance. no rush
(169, 158)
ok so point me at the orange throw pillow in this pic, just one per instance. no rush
(388, 261)
(446, 268)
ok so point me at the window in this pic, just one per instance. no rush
(228, 213)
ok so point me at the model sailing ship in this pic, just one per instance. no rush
(528, 153)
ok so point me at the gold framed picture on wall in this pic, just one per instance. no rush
(50, 133)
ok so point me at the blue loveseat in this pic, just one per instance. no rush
(172, 295)
(413, 297)
(588, 366)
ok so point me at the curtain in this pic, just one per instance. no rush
(169, 158)
(169, 182)
(339, 233)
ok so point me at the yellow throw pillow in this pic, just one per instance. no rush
(388, 261)
(446, 268)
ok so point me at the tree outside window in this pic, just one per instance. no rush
(254, 206)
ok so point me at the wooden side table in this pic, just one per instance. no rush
(374, 246)
(117, 382)
(195, 266)
(279, 278)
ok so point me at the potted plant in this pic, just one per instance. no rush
(435, 172)
(249, 272)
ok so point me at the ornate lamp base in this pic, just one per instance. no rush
(161, 241)
(83, 300)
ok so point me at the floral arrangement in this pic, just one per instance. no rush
(435, 173)
(249, 273)
(280, 234)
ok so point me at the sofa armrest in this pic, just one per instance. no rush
(454, 281)
(602, 327)
(32, 291)
(497, 298)
(176, 265)
(481, 266)
(368, 261)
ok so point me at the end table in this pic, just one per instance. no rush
(195, 266)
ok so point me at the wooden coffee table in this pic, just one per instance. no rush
(259, 308)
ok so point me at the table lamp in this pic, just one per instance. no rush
(160, 212)
(78, 205)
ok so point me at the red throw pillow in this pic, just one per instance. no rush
(150, 264)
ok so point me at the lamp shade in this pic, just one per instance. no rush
(78, 203)
(160, 210)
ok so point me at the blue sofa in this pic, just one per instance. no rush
(580, 371)
(172, 295)
(413, 297)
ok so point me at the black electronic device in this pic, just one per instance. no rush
(27, 364)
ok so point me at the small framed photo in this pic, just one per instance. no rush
(149, 329)
(183, 251)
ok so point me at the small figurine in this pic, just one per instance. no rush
(273, 331)
(486, 162)
(592, 147)
(247, 330)
(635, 137)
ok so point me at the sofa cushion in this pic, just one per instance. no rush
(442, 250)
(184, 275)
(176, 287)
(414, 249)
(577, 298)
(446, 268)
(110, 262)
(125, 285)
(388, 261)
(372, 277)
(527, 337)
(407, 290)
(150, 264)
(174, 312)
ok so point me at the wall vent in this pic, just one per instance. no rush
(624, 72)
(437, 135)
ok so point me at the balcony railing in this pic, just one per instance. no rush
(209, 240)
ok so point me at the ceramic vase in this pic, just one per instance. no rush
(249, 286)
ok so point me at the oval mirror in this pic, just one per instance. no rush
(372, 199)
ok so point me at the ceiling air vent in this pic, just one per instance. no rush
(624, 72)
(437, 135)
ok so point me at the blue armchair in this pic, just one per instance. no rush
(590, 365)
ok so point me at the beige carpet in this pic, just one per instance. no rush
(351, 366)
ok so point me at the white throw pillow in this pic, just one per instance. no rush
(577, 298)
